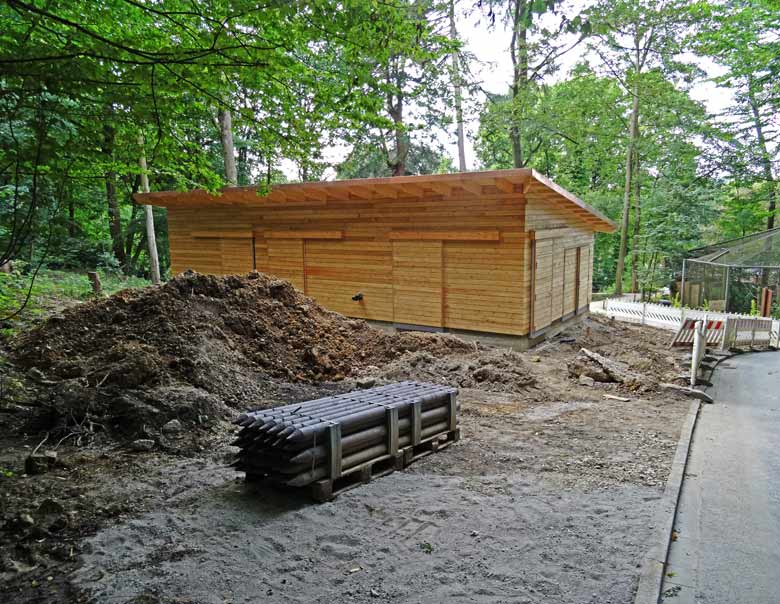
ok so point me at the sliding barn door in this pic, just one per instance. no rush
(417, 282)
(542, 284)
(569, 281)
(583, 291)
(221, 253)
(285, 260)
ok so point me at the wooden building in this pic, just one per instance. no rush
(505, 252)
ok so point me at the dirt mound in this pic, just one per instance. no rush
(198, 347)
(492, 370)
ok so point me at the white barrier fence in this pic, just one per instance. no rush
(722, 329)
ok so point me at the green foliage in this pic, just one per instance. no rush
(369, 160)
(743, 211)
(52, 290)
(80, 86)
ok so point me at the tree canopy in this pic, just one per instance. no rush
(84, 86)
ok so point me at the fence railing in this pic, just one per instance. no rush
(722, 329)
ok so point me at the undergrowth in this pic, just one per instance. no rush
(52, 291)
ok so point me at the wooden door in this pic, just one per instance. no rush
(583, 271)
(237, 255)
(222, 253)
(557, 295)
(417, 282)
(569, 281)
(351, 277)
(285, 260)
(541, 288)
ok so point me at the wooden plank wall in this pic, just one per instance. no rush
(285, 260)
(417, 282)
(456, 261)
(483, 285)
(553, 279)
(542, 290)
(338, 270)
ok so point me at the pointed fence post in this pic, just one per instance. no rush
(151, 240)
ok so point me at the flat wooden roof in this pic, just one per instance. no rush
(518, 180)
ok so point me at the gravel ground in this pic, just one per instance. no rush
(548, 497)
(548, 503)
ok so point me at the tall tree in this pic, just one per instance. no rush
(413, 78)
(457, 89)
(288, 70)
(534, 48)
(744, 38)
(632, 37)
(228, 148)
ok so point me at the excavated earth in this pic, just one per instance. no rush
(548, 497)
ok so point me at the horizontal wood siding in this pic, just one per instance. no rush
(456, 261)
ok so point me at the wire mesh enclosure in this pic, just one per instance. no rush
(739, 275)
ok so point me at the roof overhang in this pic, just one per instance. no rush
(507, 182)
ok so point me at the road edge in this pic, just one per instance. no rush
(653, 564)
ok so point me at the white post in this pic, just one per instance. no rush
(724, 342)
(753, 332)
(699, 343)
(151, 240)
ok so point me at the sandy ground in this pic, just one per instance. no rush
(548, 497)
(547, 504)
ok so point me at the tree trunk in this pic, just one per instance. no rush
(154, 261)
(71, 216)
(114, 217)
(132, 225)
(632, 135)
(637, 224)
(401, 150)
(765, 158)
(519, 52)
(228, 150)
(458, 94)
(243, 166)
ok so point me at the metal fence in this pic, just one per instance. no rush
(723, 329)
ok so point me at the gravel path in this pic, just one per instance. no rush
(536, 505)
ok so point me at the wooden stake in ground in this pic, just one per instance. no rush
(154, 261)
(94, 279)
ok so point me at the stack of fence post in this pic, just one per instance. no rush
(328, 438)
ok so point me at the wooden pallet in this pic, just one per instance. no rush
(327, 489)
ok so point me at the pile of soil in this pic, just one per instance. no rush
(198, 348)
(493, 370)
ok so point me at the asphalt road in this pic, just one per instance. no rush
(728, 522)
